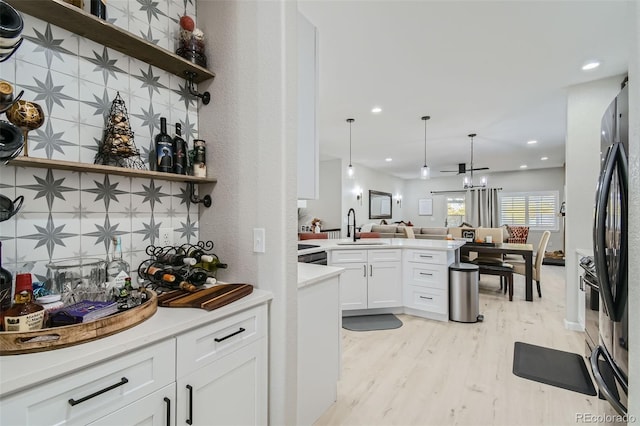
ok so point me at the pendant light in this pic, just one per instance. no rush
(424, 171)
(468, 180)
(350, 168)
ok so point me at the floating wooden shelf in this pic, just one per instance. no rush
(86, 25)
(44, 163)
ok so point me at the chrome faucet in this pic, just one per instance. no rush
(354, 223)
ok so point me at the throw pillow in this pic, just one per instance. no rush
(506, 233)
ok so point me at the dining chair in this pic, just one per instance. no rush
(313, 236)
(519, 266)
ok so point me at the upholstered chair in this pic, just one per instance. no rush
(519, 266)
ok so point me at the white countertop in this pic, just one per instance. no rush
(380, 243)
(19, 371)
(309, 274)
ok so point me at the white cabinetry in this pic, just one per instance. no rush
(88, 395)
(222, 372)
(220, 368)
(308, 160)
(426, 283)
(372, 278)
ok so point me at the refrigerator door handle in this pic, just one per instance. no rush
(602, 386)
(599, 230)
(622, 279)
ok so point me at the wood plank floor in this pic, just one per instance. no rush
(434, 373)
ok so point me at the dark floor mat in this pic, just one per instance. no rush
(371, 322)
(553, 367)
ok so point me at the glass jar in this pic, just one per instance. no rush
(78, 279)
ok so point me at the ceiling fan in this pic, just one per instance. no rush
(462, 167)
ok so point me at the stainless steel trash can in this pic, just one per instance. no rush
(464, 305)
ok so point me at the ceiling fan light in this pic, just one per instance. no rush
(483, 181)
(466, 182)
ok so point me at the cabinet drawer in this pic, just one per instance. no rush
(436, 257)
(348, 256)
(384, 255)
(427, 299)
(89, 394)
(204, 345)
(426, 275)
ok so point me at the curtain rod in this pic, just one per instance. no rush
(459, 190)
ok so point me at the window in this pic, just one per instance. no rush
(537, 210)
(455, 211)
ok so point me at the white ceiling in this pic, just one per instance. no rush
(498, 69)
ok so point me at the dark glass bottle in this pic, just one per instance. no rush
(199, 158)
(164, 148)
(180, 152)
(5, 289)
(99, 8)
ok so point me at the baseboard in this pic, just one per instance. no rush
(572, 325)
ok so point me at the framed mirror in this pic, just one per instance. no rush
(379, 205)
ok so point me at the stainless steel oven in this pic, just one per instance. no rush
(319, 257)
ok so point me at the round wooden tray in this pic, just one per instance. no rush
(16, 342)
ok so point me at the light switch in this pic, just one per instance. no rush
(258, 240)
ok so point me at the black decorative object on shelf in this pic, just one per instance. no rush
(118, 147)
(189, 267)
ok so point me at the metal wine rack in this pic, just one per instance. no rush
(169, 260)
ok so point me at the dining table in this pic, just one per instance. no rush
(526, 250)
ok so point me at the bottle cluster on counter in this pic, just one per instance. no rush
(187, 267)
(171, 154)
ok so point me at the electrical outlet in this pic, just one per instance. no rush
(166, 237)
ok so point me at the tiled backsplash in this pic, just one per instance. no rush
(69, 214)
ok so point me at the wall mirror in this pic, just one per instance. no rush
(379, 205)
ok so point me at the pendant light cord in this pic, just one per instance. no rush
(350, 120)
(425, 118)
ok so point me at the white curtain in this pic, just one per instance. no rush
(483, 208)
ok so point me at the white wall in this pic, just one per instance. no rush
(251, 130)
(586, 104)
(634, 216)
(327, 207)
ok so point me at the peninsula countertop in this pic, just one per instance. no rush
(379, 243)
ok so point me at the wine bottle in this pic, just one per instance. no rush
(99, 8)
(164, 149)
(180, 152)
(199, 158)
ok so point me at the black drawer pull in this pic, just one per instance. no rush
(168, 401)
(190, 419)
(425, 297)
(426, 255)
(425, 273)
(122, 381)
(230, 335)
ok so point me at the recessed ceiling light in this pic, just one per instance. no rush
(531, 142)
(524, 166)
(544, 158)
(376, 110)
(590, 65)
(388, 159)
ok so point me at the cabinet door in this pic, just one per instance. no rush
(308, 158)
(353, 286)
(230, 391)
(385, 285)
(157, 409)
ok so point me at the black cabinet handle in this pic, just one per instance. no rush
(425, 297)
(230, 335)
(427, 256)
(73, 402)
(190, 419)
(168, 401)
(425, 273)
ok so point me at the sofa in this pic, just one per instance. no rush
(398, 231)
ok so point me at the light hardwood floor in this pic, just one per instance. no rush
(434, 373)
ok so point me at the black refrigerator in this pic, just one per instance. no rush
(609, 359)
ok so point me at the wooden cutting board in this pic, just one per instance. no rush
(208, 299)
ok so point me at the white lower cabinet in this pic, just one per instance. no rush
(426, 283)
(372, 278)
(214, 374)
(157, 409)
(229, 391)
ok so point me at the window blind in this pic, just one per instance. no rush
(537, 210)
